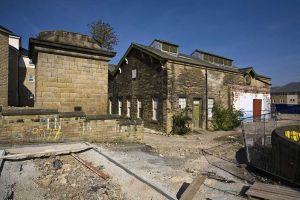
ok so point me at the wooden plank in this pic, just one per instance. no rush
(293, 192)
(193, 188)
(92, 168)
(269, 195)
(44, 153)
(276, 192)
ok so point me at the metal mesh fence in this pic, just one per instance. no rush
(257, 137)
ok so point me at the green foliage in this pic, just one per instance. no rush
(181, 123)
(225, 118)
(104, 34)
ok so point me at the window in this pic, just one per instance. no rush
(133, 73)
(128, 108)
(31, 78)
(182, 103)
(155, 109)
(109, 107)
(210, 105)
(120, 107)
(139, 109)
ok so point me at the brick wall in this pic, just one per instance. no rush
(3, 69)
(43, 128)
(63, 82)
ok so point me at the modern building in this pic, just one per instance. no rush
(286, 99)
(157, 81)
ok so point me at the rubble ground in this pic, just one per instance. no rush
(60, 177)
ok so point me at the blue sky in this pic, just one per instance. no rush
(259, 33)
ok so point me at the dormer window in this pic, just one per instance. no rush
(165, 46)
(212, 58)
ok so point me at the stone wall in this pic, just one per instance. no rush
(71, 72)
(43, 126)
(189, 81)
(150, 83)
(63, 82)
(3, 69)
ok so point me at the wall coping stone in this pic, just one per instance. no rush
(102, 117)
(72, 114)
(31, 111)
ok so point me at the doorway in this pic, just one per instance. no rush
(257, 109)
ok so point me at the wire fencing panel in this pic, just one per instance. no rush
(257, 133)
(257, 139)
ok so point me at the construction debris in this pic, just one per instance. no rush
(272, 192)
(193, 188)
(91, 167)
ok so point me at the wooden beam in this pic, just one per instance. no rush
(193, 188)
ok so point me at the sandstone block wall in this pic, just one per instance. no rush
(63, 82)
(43, 128)
(3, 69)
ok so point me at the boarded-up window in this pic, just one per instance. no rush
(169, 48)
(210, 105)
(133, 74)
(205, 57)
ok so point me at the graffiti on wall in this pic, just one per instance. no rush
(51, 132)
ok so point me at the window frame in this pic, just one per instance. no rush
(210, 109)
(139, 109)
(120, 107)
(128, 108)
(155, 109)
(182, 103)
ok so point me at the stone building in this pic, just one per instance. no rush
(71, 72)
(9, 58)
(157, 81)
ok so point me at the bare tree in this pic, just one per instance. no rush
(104, 34)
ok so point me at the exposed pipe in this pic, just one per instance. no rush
(206, 99)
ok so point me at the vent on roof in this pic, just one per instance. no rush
(165, 46)
(212, 58)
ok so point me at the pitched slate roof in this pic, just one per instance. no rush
(166, 42)
(7, 31)
(183, 58)
(290, 87)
